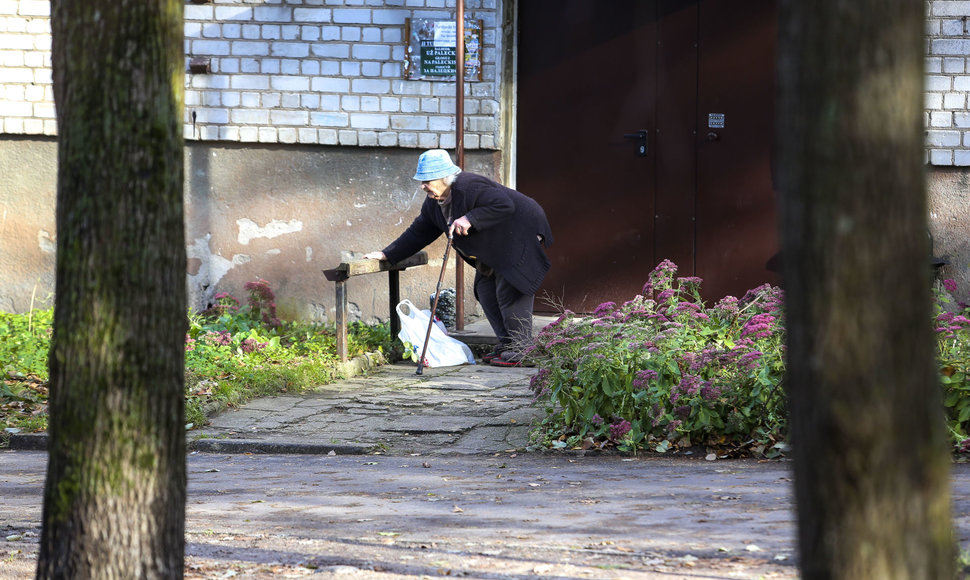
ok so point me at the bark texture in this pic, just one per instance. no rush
(871, 459)
(114, 500)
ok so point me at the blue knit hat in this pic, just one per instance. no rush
(435, 164)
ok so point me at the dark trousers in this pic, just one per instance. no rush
(509, 312)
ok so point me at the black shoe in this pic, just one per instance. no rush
(488, 358)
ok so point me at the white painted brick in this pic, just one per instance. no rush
(273, 14)
(268, 135)
(34, 8)
(950, 8)
(961, 158)
(33, 93)
(33, 126)
(290, 32)
(38, 26)
(329, 102)
(231, 99)
(250, 116)
(211, 30)
(945, 46)
(250, 100)
(16, 108)
(291, 101)
(347, 137)
(330, 85)
(193, 30)
(932, 27)
(392, 16)
(18, 75)
(42, 42)
(287, 135)
(249, 65)
(45, 110)
(212, 116)
(290, 49)
(367, 139)
(350, 103)
(391, 70)
(428, 140)
(312, 15)
(310, 67)
(387, 139)
(198, 12)
(249, 134)
(328, 119)
(955, 101)
(16, 41)
(371, 34)
(966, 138)
(392, 35)
(378, 86)
(250, 82)
(210, 48)
(371, 52)
(251, 31)
(410, 105)
(231, 31)
(270, 100)
(351, 16)
(409, 122)
(954, 65)
(11, 58)
(471, 141)
(941, 119)
(330, 68)
(370, 104)
(43, 76)
(429, 105)
(943, 138)
(270, 32)
(307, 135)
(370, 68)
(50, 127)
(9, 6)
(249, 48)
(13, 125)
(350, 34)
(328, 137)
(330, 33)
(952, 28)
(941, 157)
(449, 107)
(350, 68)
(269, 66)
(407, 140)
(390, 104)
(13, 92)
(962, 120)
(192, 98)
(234, 13)
(961, 83)
(441, 123)
(481, 124)
(289, 83)
(446, 141)
(309, 33)
(226, 65)
(369, 121)
(487, 142)
(229, 133)
(330, 50)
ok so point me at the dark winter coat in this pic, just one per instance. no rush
(505, 226)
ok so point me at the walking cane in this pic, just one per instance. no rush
(434, 305)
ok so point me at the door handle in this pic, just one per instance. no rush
(641, 138)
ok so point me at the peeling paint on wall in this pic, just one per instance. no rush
(46, 243)
(250, 230)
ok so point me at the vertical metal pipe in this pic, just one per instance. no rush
(460, 149)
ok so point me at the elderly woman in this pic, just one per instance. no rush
(498, 231)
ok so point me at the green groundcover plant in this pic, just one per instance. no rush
(233, 352)
(664, 371)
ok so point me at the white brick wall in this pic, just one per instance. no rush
(946, 119)
(330, 72)
(307, 71)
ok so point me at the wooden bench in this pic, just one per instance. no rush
(347, 270)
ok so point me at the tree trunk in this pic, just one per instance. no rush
(114, 501)
(871, 460)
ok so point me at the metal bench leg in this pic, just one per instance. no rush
(342, 320)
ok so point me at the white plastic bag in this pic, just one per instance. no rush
(443, 351)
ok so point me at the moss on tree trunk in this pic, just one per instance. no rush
(871, 459)
(114, 502)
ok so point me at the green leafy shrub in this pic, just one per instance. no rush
(663, 370)
(233, 353)
(953, 344)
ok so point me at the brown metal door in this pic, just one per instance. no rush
(697, 76)
(736, 205)
(586, 78)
